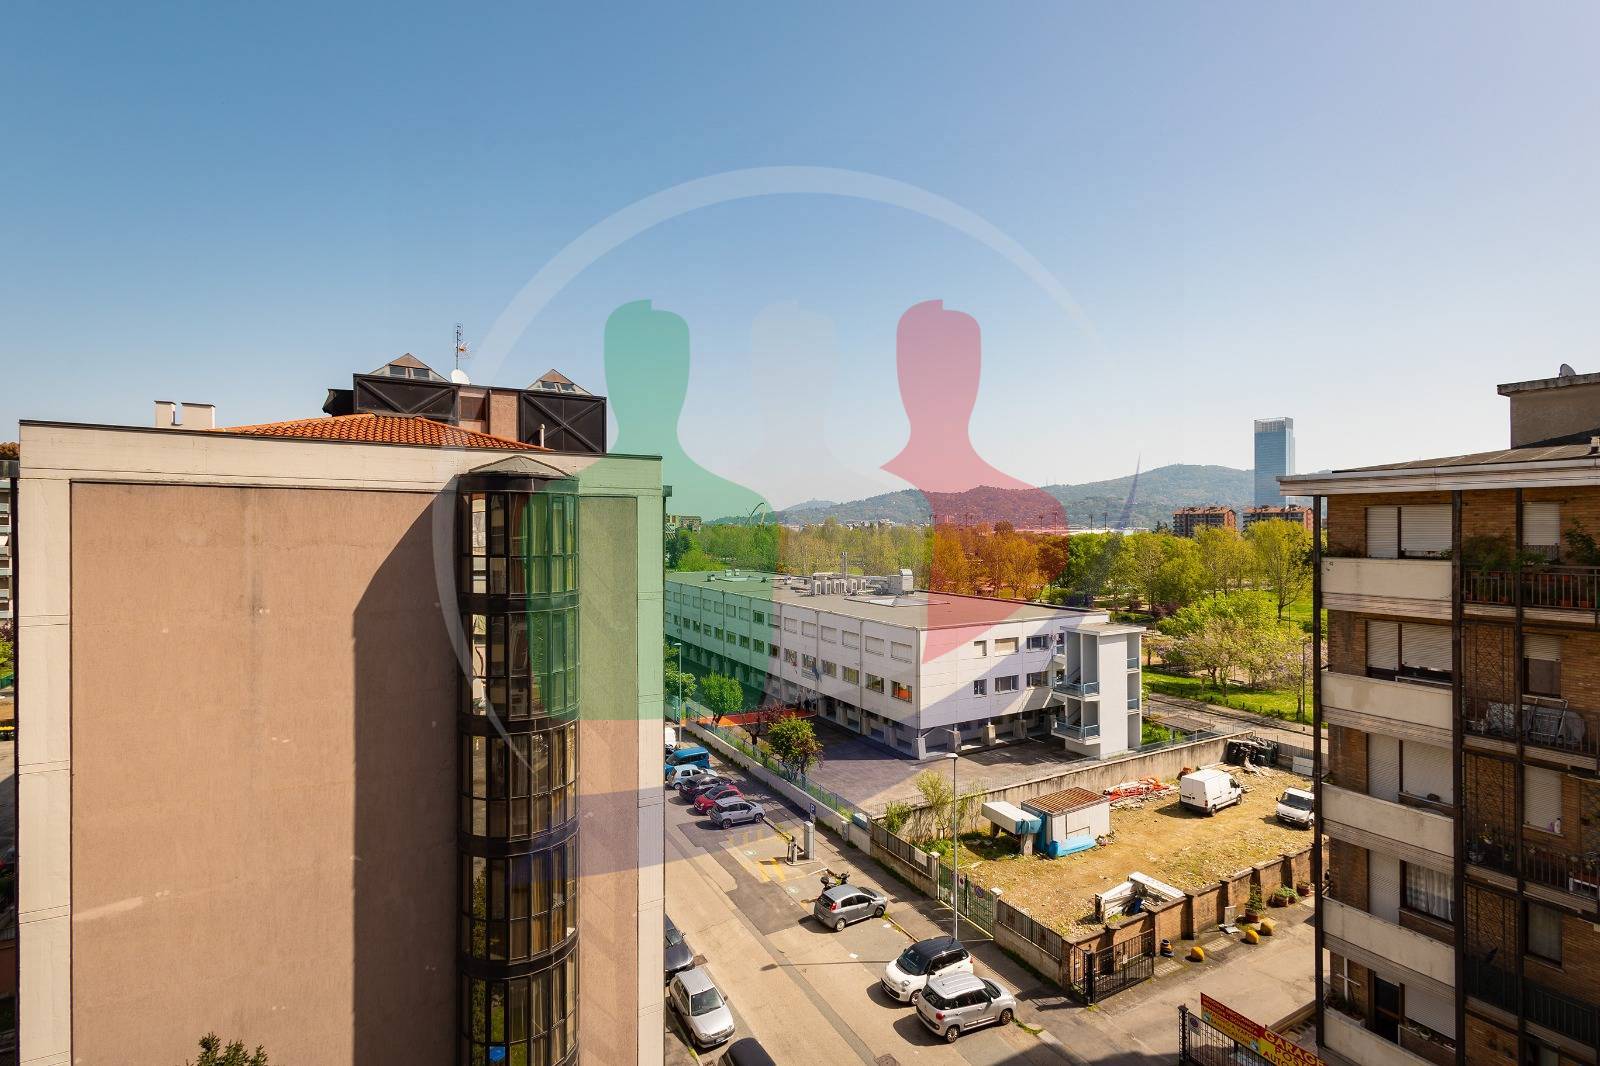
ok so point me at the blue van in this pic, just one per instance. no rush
(694, 755)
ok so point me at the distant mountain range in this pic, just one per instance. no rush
(1161, 491)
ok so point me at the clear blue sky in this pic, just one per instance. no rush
(1360, 215)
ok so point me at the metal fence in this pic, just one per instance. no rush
(1201, 1045)
(1038, 934)
(971, 901)
(822, 795)
(1096, 974)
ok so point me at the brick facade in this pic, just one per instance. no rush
(1347, 758)
(1347, 870)
(1488, 1044)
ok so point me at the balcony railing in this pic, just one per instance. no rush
(1133, 662)
(1076, 731)
(1133, 703)
(1577, 874)
(1498, 985)
(1565, 729)
(1078, 687)
(1491, 847)
(1557, 587)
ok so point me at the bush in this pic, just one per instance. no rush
(1283, 897)
(896, 815)
(1255, 903)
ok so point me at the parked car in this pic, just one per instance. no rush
(1296, 808)
(1209, 791)
(747, 1052)
(955, 1003)
(702, 1007)
(693, 755)
(706, 798)
(678, 775)
(840, 905)
(697, 784)
(905, 977)
(735, 811)
(680, 956)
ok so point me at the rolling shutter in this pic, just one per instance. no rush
(1433, 1011)
(1541, 525)
(1425, 647)
(1383, 532)
(1541, 798)
(1541, 646)
(1426, 771)
(1383, 645)
(1383, 886)
(1425, 529)
(1383, 767)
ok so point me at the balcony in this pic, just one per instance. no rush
(1544, 588)
(1415, 710)
(1569, 875)
(1498, 986)
(1078, 687)
(1417, 952)
(1356, 1043)
(1491, 848)
(1415, 587)
(1373, 817)
(1567, 730)
(1082, 738)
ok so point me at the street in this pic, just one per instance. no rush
(807, 993)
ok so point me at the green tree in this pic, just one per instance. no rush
(214, 1053)
(795, 744)
(1225, 559)
(723, 695)
(1282, 559)
(673, 677)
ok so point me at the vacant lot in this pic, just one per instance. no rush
(1161, 839)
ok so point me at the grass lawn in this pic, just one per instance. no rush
(1272, 703)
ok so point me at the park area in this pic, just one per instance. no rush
(1160, 839)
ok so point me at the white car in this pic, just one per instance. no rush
(907, 976)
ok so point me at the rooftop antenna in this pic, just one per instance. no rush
(458, 375)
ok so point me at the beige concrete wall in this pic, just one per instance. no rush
(263, 831)
(1393, 821)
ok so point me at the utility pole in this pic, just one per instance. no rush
(955, 849)
(461, 347)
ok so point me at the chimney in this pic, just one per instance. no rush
(199, 416)
(1563, 408)
(166, 414)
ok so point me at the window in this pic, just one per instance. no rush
(1036, 679)
(980, 687)
(850, 639)
(772, 650)
(830, 634)
(900, 691)
(729, 637)
(1541, 664)
(808, 629)
(1544, 933)
(980, 649)
(1541, 798)
(1424, 530)
(790, 657)
(788, 625)
(1061, 639)
(809, 662)
(1005, 645)
(718, 633)
(760, 619)
(1541, 528)
(1039, 642)
(744, 612)
(874, 683)
(900, 651)
(744, 642)
(1006, 684)
(1430, 892)
(829, 669)
(852, 676)
(875, 645)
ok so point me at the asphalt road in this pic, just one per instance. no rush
(808, 994)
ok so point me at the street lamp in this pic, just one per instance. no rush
(955, 848)
(678, 644)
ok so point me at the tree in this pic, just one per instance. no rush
(673, 678)
(1225, 558)
(213, 1053)
(1283, 559)
(762, 721)
(723, 695)
(795, 744)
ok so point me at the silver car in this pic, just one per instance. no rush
(842, 904)
(735, 810)
(958, 1002)
(702, 1007)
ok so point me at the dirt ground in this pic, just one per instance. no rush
(1161, 839)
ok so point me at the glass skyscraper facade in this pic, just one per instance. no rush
(1274, 457)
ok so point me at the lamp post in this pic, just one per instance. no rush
(955, 849)
(678, 644)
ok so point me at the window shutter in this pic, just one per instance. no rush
(1541, 525)
(1383, 532)
(1383, 886)
(1435, 1012)
(1383, 645)
(1426, 771)
(1541, 798)
(1425, 529)
(1383, 767)
(1425, 647)
(1541, 646)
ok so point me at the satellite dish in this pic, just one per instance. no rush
(1566, 372)
(459, 376)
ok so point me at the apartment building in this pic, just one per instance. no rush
(1186, 521)
(1288, 513)
(1274, 457)
(8, 473)
(1461, 917)
(921, 672)
(341, 736)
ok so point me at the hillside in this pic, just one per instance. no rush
(1161, 491)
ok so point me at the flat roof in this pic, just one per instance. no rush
(1068, 799)
(910, 609)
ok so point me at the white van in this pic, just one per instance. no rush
(1209, 790)
(1295, 808)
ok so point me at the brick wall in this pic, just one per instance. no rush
(1580, 666)
(1488, 1044)
(1490, 792)
(1347, 758)
(1491, 924)
(1578, 975)
(1483, 513)
(1347, 866)
(1347, 643)
(1347, 516)
(1205, 911)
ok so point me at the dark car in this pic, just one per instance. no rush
(692, 787)
(748, 1052)
(680, 956)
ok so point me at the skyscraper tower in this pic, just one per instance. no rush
(1274, 458)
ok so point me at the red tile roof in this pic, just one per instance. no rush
(382, 429)
(1068, 799)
